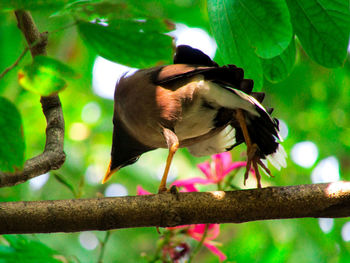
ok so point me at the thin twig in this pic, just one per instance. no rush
(103, 246)
(15, 63)
(59, 29)
(25, 50)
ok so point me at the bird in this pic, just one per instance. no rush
(192, 103)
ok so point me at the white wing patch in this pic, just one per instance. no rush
(217, 144)
(249, 98)
(278, 158)
(231, 100)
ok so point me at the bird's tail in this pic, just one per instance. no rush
(264, 131)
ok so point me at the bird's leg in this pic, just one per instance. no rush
(173, 144)
(252, 151)
(173, 148)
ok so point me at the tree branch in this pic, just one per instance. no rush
(169, 209)
(53, 156)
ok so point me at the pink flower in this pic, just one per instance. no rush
(141, 191)
(220, 166)
(197, 231)
(215, 171)
(215, 251)
(186, 185)
(213, 231)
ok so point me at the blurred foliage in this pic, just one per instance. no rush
(45, 76)
(313, 101)
(32, 4)
(17, 248)
(11, 139)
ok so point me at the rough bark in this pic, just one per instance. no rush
(172, 209)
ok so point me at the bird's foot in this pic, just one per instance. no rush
(254, 160)
(162, 190)
(173, 190)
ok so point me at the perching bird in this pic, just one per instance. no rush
(196, 104)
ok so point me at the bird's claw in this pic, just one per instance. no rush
(173, 190)
(254, 160)
(162, 190)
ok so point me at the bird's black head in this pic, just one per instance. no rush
(126, 149)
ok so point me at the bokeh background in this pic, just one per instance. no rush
(312, 104)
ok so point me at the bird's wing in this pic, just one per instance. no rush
(191, 61)
(227, 76)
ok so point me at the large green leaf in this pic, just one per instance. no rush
(11, 137)
(123, 31)
(265, 22)
(31, 4)
(278, 68)
(190, 12)
(322, 27)
(233, 41)
(100, 9)
(134, 42)
(11, 47)
(22, 249)
(45, 76)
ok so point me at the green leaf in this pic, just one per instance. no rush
(278, 68)
(31, 4)
(322, 27)
(45, 76)
(22, 249)
(11, 137)
(233, 41)
(135, 43)
(193, 13)
(88, 10)
(265, 22)
(124, 32)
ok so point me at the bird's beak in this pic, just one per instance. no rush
(109, 172)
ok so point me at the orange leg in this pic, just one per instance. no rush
(173, 144)
(253, 158)
(173, 148)
(162, 187)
